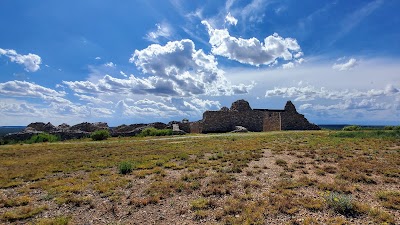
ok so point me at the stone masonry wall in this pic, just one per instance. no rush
(241, 114)
(225, 121)
(296, 121)
(196, 127)
(272, 121)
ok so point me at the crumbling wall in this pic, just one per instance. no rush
(225, 121)
(292, 120)
(241, 114)
(185, 127)
(296, 121)
(196, 127)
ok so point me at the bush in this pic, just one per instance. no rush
(100, 135)
(392, 128)
(155, 132)
(351, 128)
(125, 167)
(389, 128)
(340, 203)
(44, 137)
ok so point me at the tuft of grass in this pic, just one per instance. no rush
(312, 204)
(60, 220)
(202, 203)
(389, 199)
(24, 212)
(201, 214)
(281, 162)
(125, 167)
(100, 135)
(18, 201)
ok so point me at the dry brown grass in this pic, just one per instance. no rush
(204, 179)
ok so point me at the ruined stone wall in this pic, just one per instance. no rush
(185, 127)
(272, 121)
(225, 121)
(295, 121)
(196, 127)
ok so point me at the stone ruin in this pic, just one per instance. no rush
(82, 130)
(239, 118)
(242, 115)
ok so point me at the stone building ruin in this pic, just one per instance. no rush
(241, 114)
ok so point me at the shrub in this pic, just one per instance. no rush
(151, 131)
(44, 137)
(340, 203)
(351, 128)
(125, 167)
(100, 135)
(389, 127)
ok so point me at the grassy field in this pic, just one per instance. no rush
(319, 177)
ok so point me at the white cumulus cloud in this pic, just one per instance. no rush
(345, 66)
(230, 19)
(251, 51)
(30, 61)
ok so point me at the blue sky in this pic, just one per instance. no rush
(145, 61)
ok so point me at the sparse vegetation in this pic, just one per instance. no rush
(258, 178)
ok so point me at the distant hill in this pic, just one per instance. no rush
(10, 129)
